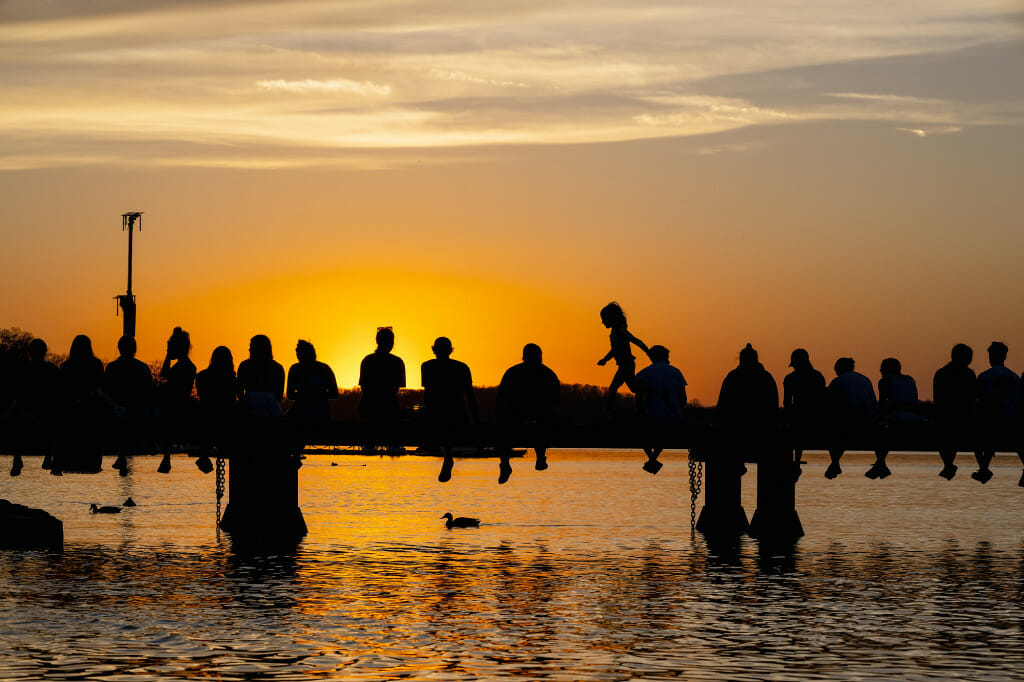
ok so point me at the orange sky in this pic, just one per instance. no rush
(309, 170)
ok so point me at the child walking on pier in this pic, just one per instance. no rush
(614, 319)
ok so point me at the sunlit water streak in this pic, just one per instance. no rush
(586, 571)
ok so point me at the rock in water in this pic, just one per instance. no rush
(22, 527)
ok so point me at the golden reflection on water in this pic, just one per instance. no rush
(586, 571)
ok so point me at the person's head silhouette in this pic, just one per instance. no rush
(844, 365)
(126, 346)
(179, 344)
(385, 339)
(260, 349)
(221, 359)
(442, 347)
(997, 352)
(961, 355)
(37, 350)
(532, 354)
(304, 351)
(890, 367)
(748, 356)
(81, 348)
(658, 353)
(612, 315)
(799, 359)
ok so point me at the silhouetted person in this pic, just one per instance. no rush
(262, 380)
(81, 379)
(381, 375)
(614, 319)
(954, 392)
(527, 397)
(749, 395)
(897, 406)
(748, 405)
(447, 395)
(219, 391)
(176, 405)
(37, 395)
(661, 396)
(803, 399)
(311, 385)
(128, 381)
(852, 408)
(997, 404)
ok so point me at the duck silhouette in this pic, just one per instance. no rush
(460, 521)
(103, 510)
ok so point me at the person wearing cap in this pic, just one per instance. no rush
(803, 395)
(852, 408)
(661, 395)
(997, 403)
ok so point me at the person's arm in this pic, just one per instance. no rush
(332, 384)
(293, 391)
(474, 416)
(603, 361)
(278, 381)
(638, 343)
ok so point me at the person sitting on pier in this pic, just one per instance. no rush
(81, 382)
(36, 399)
(176, 405)
(614, 319)
(219, 392)
(128, 381)
(447, 394)
(897, 406)
(661, 396)
(748, 406)
(997, 404)
(803, 399)
(852, 409)
(381, 376)
(262, 380)
(311, 385)
(527, 398)
(954, 392)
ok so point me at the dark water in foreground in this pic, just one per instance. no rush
(586, 571)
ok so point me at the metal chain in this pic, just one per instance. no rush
(220, 484)
(696, 480)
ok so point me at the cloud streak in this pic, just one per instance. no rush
(397, 74)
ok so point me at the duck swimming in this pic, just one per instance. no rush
(103, 510)
(460, 521)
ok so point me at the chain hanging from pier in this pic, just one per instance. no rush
(696, 468)
(220, 484)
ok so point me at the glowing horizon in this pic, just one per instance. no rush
(841, 177)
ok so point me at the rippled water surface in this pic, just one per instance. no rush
(585, 571)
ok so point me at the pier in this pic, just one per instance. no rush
(263, 458)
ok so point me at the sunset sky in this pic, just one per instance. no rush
(842, 176)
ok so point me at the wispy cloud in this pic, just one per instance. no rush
(329, 86)
(398, 74)
(925, 132)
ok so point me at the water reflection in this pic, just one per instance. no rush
(380, 590)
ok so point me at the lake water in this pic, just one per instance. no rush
(587, 571)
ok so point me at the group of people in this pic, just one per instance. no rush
(83, 392)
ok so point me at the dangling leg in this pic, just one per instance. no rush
(984, 458)
(833, 468)
(652, 465)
